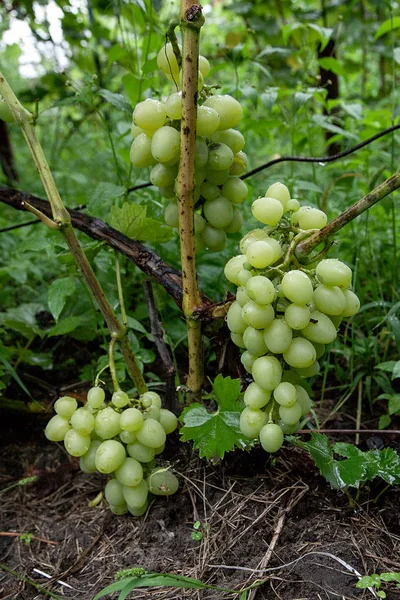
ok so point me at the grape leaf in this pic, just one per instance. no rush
(58, 293)
(131, 220)
(322, 453)
(213, 434)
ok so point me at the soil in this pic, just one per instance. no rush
(256, 514)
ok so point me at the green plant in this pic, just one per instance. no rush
(375, 581)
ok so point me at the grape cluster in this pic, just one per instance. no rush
(283, 317)
(219, 156)
(122, 439)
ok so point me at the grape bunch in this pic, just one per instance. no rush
(219, 156)
(120, 438)
(284, 315)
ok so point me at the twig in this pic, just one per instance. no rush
(33, 537)
(38, 587)
(352, 431)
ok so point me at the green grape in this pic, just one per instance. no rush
(277, 336)
(257, 315)
(217, 177)
(209, 191)
(165, 144)
(252, 420)
(310, 371)
(109, 456)
(151, 434)
(163, 176)
(127, 437)
(140, 452)
(271, 437)
(200, 175)
(234, 318)
(138, 512)
(130, 472)
(166, 60)
(329, 299)
(113, 493)
(237, 221)
(136, 496)
(267, 210)
(247, 359)
(131, 420)
(220, 157)
(173, 106)
(239, 164)
(267, 372)
(303, 399)
(5, 113)
(149, 115)
(231, 137)
(352, 304)
(311, 218)
(260, 289)
(235, 190)
(260, 254)
(242, 296)
(300, 354)
(237, 339)
(158, 450)
(140, 153)
(171, 214)
(167, 192)
(168, 420)
(204, 66)
(291, 376)
(331, 271)
(162, 482)
(66, 406)
(252, 236)
(95, 397)
(107, 423)
(229, 110)
(320, 349)
(320, 329)
(214, 239)
(280, 192)
(276, 247)
(207, 121)
(199, 244)
(297, 316)
(297, 287)
(201, 154)
(336, 320)
(244, 275)
(119, 509)
(154, 398)
(56, 428)
(255, 396)
(153, 412)
(253, 340)
(219, 212)
(290, 414)
(285, 394)
(120, 399)
(135, 130)
(87, 462)
(293, 205)
(82, 421)
(76, 443)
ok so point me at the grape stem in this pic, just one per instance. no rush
(305, 247)
(191, 21)
(62, 220)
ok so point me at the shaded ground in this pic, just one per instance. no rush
(281, 517)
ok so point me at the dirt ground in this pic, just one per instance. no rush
(260, 519)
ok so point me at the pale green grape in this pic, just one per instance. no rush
(76, 443)
(82, 421)
(140, 452)
(260, 254)
(257, 315)
(149, 115)
(66, 406)
(130, 472)
(260, 289)
(267, 372)
(290, 414)
(131, 420)
(120, 399)
(352, 304)
(95, 397)
(207, 121)
(235, 190)
(255, 396)
(199, 244)
(267, 210)
(220, 157)
(288, 429)
(310, 371)
(280, 192)
(303, 399)
(229, 110)
(127, 437)
(329, 299)
(231, 137)
(252, 236)
(201, 153)
(276, 247)
(165, 144)
(251, 421)
(214, 239)
(162, 482)
(237, 339)
(171, 214)
(151, 434)
(278, 336)
(119, 509)
(291, 376)
(237, 221)
(331, 271)
(87, 461)
(154, 398)
(56, 428)
(109, 456)
(300, 354)
(239, 164)
(163, 176)
(253, 340)
(173, 106)
(320, 329)
(234, 318)
(271, 437)
(293, 205)
(136, 496)
(166, 60)
(285, 394)
(247, 359)
(153, 412)
(167, 192)
(244, 275)
(113, 493)
(138, 512)
(242, 296)
(209, 191)
(320, 349)
(311, 218)
(140, 153)
(217, 177)
(204, 66)
(297, 316)
(297, 287)
(135, 130)
(219, 212)
(168, 420)
(107, 423)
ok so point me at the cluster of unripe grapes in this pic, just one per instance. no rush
(283, 317)
(219, 159)
(121, 439)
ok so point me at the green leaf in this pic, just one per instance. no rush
(396, 370)
(23, 319)
(390, 577)
(323, 121)
(396, 55)
(131, 220)
(58, 293)
(324, 33)
(394, 404)
(116, 100)
(104, 193)
(387, 26)
(15, 375)
(354, 110)
(387, 366)
(213, 434)
(65, 326)
(384, 421)
(113, 587)
(388, 465)
(332, 64)
(322, 453)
